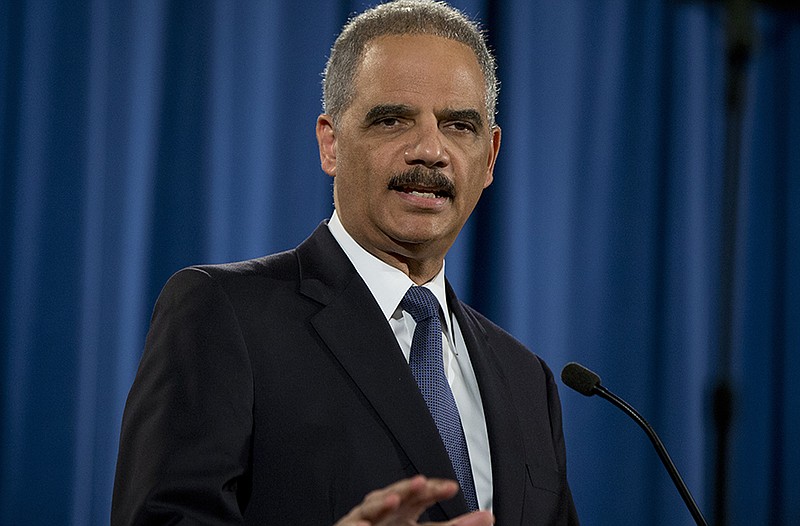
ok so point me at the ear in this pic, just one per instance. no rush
(495, 148)
(326, 140)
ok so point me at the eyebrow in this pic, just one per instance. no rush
(391, 110)
(468, 115)
(387, 110)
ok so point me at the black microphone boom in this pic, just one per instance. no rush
(587, 383)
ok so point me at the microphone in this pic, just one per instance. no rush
(587, 383)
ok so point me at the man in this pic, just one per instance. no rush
(287, 389)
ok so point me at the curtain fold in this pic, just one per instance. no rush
(140, 137)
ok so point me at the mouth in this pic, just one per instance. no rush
(430, 193)
(430, 184)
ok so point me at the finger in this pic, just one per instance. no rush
(420, 494)
(419, 488)
(401, 502)
(418, 491)
(476, 518)
(379, 503)
(373, 508)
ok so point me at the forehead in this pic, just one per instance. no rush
(419, 68)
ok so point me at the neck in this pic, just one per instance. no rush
(420, 261)
(419, 270)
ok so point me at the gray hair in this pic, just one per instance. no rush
(401, 17)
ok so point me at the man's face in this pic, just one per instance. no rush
(413, 152)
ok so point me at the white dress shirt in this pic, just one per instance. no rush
(388, 285)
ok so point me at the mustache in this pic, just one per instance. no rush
(431, 179)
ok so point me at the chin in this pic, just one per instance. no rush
(419, 237)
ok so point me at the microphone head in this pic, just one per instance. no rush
(578, 377)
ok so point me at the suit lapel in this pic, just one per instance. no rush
(353, 327)
(505, 436)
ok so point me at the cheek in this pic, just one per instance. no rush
(478, 165)
(475, 175)
(356, 181)
(366, 168)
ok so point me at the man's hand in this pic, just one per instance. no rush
(401, 504)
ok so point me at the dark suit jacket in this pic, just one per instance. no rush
(273, 391)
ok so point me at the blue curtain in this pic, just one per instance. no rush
(140, 137)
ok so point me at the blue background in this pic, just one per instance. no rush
(140, 137)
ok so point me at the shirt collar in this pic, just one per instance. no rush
(386, 283)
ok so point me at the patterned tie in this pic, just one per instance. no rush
(428, 369)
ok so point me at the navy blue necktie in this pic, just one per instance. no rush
(428, 369)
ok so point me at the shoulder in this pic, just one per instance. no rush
(318, 250)
(280, 266)
(201, 287)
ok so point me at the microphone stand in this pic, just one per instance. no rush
(694, 509)
(739, 36)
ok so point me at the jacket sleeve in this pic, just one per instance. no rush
(187, 426)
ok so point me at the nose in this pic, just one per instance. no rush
(427, 147)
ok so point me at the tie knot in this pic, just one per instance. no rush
(420, 303)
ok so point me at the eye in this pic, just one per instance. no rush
(462, 126)
(388, 122)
